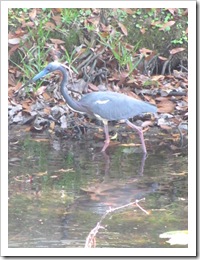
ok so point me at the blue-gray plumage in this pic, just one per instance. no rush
(104, 105)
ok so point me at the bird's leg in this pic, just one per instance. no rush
(107, 141)
(144, 156)
(139, 132)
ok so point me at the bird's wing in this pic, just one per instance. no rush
(114, 106)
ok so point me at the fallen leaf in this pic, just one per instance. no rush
(115, 76)
(32, 14)
(123, 28)
(122, 79)
(155, 23)
(157, 77)
(147, 123)
(93, 87)
(19, 32)
(131, 81)
(52, 125)
(47, 110)
(143, 30)
(129, 145)
(41, 140)
(14, 41)
(27, 129)
(40, 90)
(46, 96)
(49, 26)
(145, 51)
(185, 12)
(166, 106)
(94, 20)
(105, 28)
(172, 10)
(26, 106)
(53, 176)
(162, 58)
(128, 46)
(176, 50)
(161, 98)
(18, 86)
(57, 19)
(66, 170)
(58, 10)
(168, 24)
(40, 173)
(57, 41)
(131, 94)
(11, 81)
(127, 10)
(28, 24)
(165, 127)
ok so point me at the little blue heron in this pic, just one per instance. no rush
(104, 105)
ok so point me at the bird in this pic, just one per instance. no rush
(103, 105)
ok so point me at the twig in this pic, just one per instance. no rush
(91, 238)
(141, 207)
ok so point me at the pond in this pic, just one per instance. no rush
(60, 189)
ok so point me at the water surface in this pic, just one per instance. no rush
(59, 189)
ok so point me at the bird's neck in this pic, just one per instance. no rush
(73, 104)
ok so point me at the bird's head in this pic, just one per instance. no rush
(48, 69)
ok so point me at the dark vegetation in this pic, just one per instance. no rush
(140, 52)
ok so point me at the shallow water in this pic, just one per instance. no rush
(60, 189)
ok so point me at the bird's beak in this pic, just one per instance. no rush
(39, 75)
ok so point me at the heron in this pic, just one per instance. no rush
(103, 105)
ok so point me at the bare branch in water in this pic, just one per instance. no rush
(91, 238)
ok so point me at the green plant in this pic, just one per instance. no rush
(70, 15)
(168, 17)
(71, 59)
(150, 83)
(183, 37)
(84, 12)
(15, 16)
(33, 51)
(138, 12)
(138, 26)
(123, 55)
(119, 14)
(89, 27)
(152, 12)
(181, 40)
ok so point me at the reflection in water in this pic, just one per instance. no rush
(59, 190)
(107, 163)
(112, 191)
